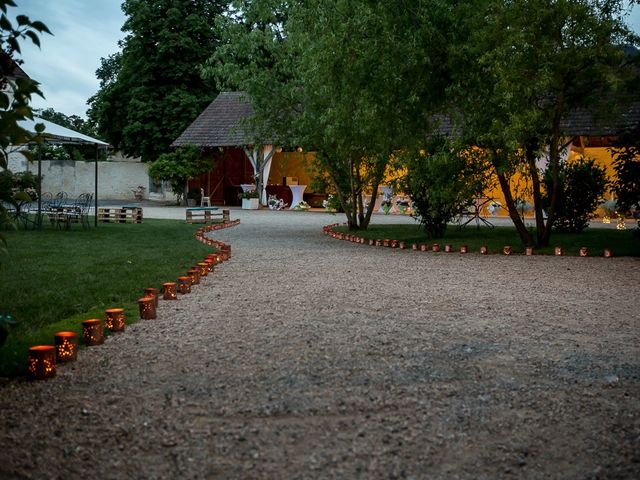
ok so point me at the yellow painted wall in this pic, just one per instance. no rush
(291, 164)
(601, 155)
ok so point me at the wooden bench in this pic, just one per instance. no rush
(120, 214)
(206, 215)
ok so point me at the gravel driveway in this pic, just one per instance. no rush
(307, 357)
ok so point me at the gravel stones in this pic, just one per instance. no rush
(303, 357)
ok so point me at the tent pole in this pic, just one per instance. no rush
(95, 194)
(39, 219)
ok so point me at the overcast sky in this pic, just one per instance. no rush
(83, 32)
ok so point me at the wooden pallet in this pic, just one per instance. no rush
(206, 215)
(120, 215)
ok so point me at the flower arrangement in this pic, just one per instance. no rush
(276, 203)
(494, 207)
(332, 204)
(302, 206)
(386, 204)
(251, 194)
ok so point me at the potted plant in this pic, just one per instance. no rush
(193, 197)
(250, 200)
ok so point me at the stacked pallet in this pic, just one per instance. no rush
(120, 215)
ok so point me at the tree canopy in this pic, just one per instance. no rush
(152, 89)
(352, 81)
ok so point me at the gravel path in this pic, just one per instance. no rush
(307, 357)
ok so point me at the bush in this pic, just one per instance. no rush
(440, 184)
(582, 185)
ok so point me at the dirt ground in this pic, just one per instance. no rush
(308, 357)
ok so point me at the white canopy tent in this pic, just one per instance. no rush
(54, 133)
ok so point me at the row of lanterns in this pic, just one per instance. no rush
(43, 358)
(425, 247)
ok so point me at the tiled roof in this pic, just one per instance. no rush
(220, 125)
(578, 122)
(583, 122)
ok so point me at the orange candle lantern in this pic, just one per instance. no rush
(92, 332)
(507, 250)
(210, 265)
(424, 247)
(607, 253)
(435, 247)
(484, 250)
(204, 270)
(194, 273)
(584, 252)
(372, 242)
(42, 362)
(169, 291)
(394, 243)
(464, 249)
(147, 308)
(557, 251)
(66, 346)
(448, 248)
(184, 284)
(386, 242)
(403, 245)
(528, 251)
(414, 246)
(152, 292)
(115, 319)
(378, 243)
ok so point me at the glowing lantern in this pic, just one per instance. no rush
(414, 247)
(464, 249)
(42, 362)
(92, 332)
(169, 291)
(435, 247)
(584, 252)
(378, 243)
(484, 250)
(507, 250)
(194, 273)
(152, 292)
(386, 242)
(557, 251)
(394, 243)
(115, 319)
(66, 346)
(403, 245)
(448, 248)
(424, 247)
(204, 270)
(607, 253)
(147, 308)
(184, 284)
(528, 251)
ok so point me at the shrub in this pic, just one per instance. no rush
(440, 184)
(582, 184)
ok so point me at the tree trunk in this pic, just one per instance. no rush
(521, 228)
(530, 154)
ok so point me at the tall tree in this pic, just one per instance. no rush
(353, 81)
(74, 122)
(152, 89)
(521, 67)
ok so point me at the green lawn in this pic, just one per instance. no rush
(621, 242)
(54, 279)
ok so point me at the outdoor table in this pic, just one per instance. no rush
(297, 191)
